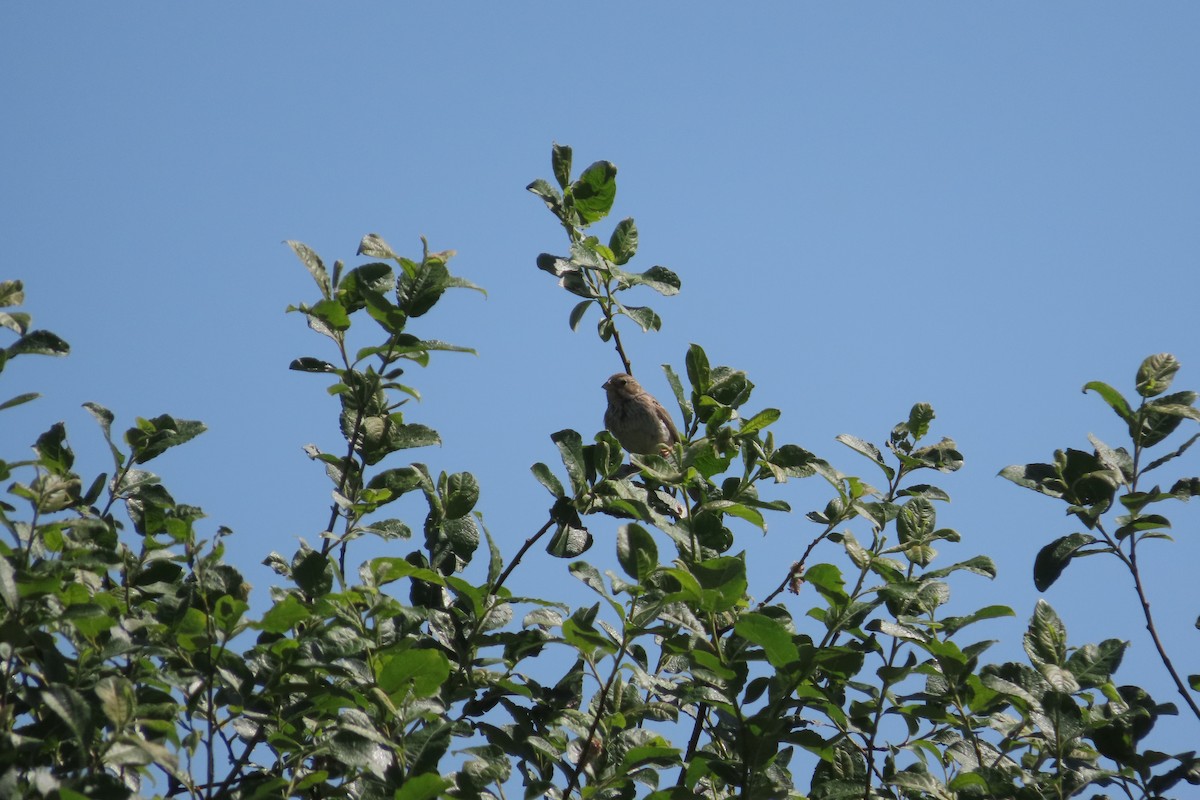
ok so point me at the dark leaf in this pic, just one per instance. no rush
(636, 552)
(1053, 558)
(42, 343)
(560, 164)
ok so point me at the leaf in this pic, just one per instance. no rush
(1053, 558)
(593, 194)
(624, 241)
(646, 318)
(867, 449)
(418, 293)
(53, 451)
(416, 673)
(12, 293)
(685, 407)
(560, 164)
(373, 246)
(1158, 462)
(310, 364)
(312, 262)
(660, 279)
(916, 520)
(1115, 399)
(548, 193)
(570, 448)
(772, 636)
(1155, 374)
(462, 494)
(548, 479)
(16, 321)
(1159, 418)
(569, 541)
(152, 437)
(636, 552)
(19, 399)
(918, 420)
(1046, 638)
(577, 313)
(283, 616)
(42, 343)
(422, 787)
(71, 708)
(698, 370)
(759, 421)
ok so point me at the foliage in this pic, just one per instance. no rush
(132, 662)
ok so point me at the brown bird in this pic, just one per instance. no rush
(639, 422)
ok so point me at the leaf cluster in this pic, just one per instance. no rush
(132, 662)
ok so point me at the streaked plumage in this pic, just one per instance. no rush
(639, 422)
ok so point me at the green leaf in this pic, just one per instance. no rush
(548, 193)
(1159, 418)
(645, 317)
(570, 447)
(1046, 638)
(722, 581)
(1155, 374)
(1111, 396)
(284, 615)
(418, 293)
(1053, 558)
(462, 495)
(422, 787)
(547, 478)
(577, 313)
(772, 636)
(560, 164)
(624, 241)
(593, 194)
(759, 421)
(636, 551)
(71, 708)
(19, 399)
(328, 313)
(660, 279)
(698, 370)
(919, 418)
(916, 520)
(152, 437)
(374, 278)
(417, 672)
(42, 343)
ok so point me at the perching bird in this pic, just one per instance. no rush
(639, 422)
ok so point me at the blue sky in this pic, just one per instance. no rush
(978, 206)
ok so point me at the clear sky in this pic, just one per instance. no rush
(980, 206)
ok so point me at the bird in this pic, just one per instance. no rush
(639, 422)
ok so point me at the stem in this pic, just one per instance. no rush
(1150, 626)
(573, 783)
(520, 554)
